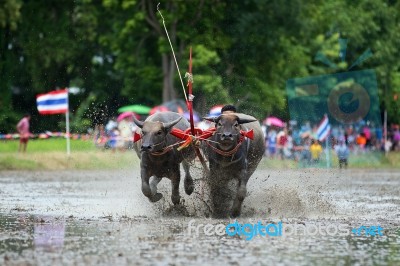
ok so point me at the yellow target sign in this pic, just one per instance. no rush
(358, 94)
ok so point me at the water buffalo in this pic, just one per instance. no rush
(158, 159)
(233, 158)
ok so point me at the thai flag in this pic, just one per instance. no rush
(324, 129)
(54, 102)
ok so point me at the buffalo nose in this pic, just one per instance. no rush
(227, 135)
(145, 147)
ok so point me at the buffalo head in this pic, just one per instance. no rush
(154, 134)
(228, 128)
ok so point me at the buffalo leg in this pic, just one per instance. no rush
(240, 194)
(188, 182)
(146, 190)
(175, 180)
(153, 184)
(221, 191)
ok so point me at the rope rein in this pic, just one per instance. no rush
(166, 149)
(227, 153)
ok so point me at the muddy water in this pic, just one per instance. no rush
(101, 217)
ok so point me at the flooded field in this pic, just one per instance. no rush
(101, 217)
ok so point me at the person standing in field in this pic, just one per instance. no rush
(125, 132)
(342, 151)
(316, 150)
(23, 130)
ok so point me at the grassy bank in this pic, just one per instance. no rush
(370, 160)
(50, 154)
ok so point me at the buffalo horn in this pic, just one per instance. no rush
(246, 120)
(138, 122)
(213, 119)
(172, 123)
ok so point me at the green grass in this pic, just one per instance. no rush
(45, 145)
(51, 154)
(375, 160)
(370, 160)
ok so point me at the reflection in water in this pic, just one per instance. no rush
(49, 233)
(15, 233)
(40, 240)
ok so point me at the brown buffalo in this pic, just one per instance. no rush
(232, 157)
(158, 159)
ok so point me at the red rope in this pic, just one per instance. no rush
(227, 153)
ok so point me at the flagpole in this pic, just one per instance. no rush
(67, 126)
(328, 151)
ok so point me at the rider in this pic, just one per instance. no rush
(228, 109)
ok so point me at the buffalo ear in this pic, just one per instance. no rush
(213, 119)
(168, 126)
(138, 122)
(246, 120)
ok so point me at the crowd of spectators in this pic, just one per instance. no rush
(301, 143)
(296, 142)
(115, 135)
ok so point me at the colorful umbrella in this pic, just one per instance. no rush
(125, 115)
(196, 117)
(178, 106)
(216, 110)
(137, 108)
(274, 121)
(158, 108)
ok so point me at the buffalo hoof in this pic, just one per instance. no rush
(235, 213)
(155, 197)
(176, 199)
(189, 186)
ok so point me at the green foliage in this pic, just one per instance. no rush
(8, 120)
(10, 13)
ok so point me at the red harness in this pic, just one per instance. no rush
(200, 135)
(228, 153)
(204, 135)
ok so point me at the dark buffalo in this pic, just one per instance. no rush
(232, 158)
(158, 159)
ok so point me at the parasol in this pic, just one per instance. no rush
(126, 115)
(196, 117)
(137, 108)
(158, 108)
(274, 121)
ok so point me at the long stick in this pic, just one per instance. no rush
(385, 129)
(190, 101)
(328, 151)
(67, 127)
(173, 53)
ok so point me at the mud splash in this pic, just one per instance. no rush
(101, 217)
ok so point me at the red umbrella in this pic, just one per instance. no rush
(274, 121)
(158, 108)
(178, 106)
(127, 115)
